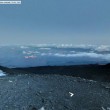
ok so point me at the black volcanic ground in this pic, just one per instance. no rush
(50, 88)
(92, 71)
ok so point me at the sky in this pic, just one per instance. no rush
(56, 21)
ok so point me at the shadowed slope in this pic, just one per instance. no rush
(94, 72)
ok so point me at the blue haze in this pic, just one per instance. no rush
(56, 21)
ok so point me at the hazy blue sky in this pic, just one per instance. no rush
(56, 21)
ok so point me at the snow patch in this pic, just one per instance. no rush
(2, 73)
(71, 94)
(42, 108)
(10, 81)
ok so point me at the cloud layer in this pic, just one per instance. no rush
(42, 55)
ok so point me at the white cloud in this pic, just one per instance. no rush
(80, 54)
(102, 48)
(23, 47)
(45, 48)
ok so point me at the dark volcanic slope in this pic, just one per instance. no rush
(94, 72)
(52, 92)
(38, 88)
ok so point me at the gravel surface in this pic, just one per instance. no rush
(52, 92)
